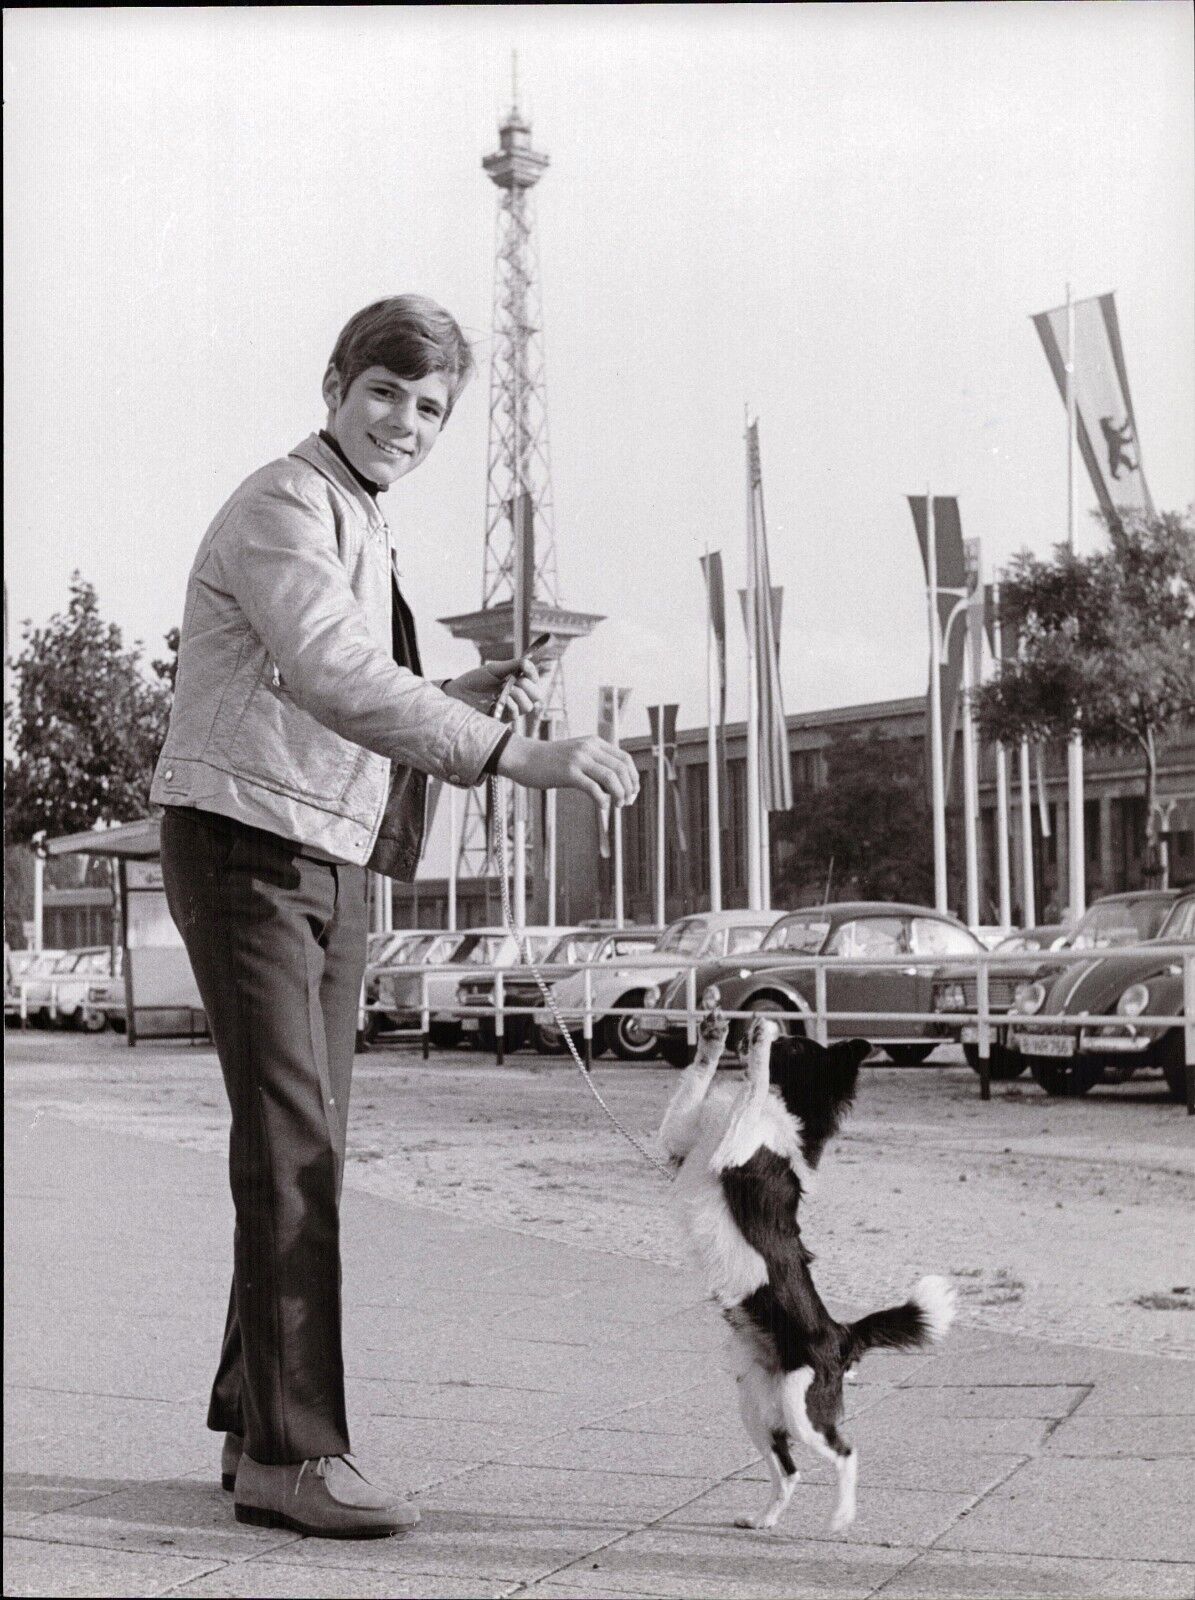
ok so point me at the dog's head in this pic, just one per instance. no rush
(817, 1083)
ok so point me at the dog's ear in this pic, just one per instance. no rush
(850, 1052)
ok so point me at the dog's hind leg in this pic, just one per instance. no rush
(823, 1438)
(773, 1445)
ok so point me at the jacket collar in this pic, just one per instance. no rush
(316, 453)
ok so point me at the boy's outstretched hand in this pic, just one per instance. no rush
(590, 764)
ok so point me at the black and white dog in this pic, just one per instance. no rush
(746, 1158)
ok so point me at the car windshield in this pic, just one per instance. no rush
(933, 938)
(479, 949)
(68, 962)
(685, 938)
(575, 947)
(1180, 924)
(625, 944)
(745, 938)
(802, 934)
(1120, 922)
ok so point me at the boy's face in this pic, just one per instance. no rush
(385, 424)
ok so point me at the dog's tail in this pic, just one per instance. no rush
(923, 1319)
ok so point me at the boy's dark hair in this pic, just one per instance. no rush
(409, 334)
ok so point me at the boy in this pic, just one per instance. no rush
(300, 739)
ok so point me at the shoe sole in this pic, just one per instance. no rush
(258, 1517)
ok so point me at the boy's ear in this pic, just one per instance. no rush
(851, 1052)
(331, 387)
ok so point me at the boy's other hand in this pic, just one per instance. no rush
(481, 687)
(590, 764)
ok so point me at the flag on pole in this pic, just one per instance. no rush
(775, 772)
(605, 728)
(975, 610)
(711, 567)
(1105, 426)
(664, 717)
(954, 582)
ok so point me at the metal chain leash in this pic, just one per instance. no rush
(498, 825)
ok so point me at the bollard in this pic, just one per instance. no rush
(820, 1023)
(1189, 1028)
(499, 1021)
(425, 1021)
(691, 1008)
(985, 1031)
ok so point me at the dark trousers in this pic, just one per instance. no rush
(277, 945)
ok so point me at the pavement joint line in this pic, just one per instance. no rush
(100, 1394)
(1054, 1423)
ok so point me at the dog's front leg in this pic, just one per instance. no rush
(678, 1131)
(741, 1138)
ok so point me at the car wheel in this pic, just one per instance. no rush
(908, 1055)
(91, 1021)
(1174, 1069)
(1061, 1078)
(741, 1032)
(543, 1045)
(1003, 1065)
(373, 1026)
(628, 1039)
(444, 1035)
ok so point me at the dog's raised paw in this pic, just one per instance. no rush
(713, 1028)
(763, 1032)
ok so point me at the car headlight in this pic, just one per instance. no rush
(1133, 1001)
(950, 997)
(651, 997)
(711, 998)
(1029, 998)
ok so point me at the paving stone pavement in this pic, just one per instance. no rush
(560, 1414)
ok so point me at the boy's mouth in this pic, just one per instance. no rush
(396, 451)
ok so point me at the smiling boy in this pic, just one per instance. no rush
(300, 740)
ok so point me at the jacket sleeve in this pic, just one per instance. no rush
(276, 555)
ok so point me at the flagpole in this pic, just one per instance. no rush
(970, 792)
(616, 695)
(1074, 752)
(938, 776)
(1029, 908)
(550, 842)
(1002, 869)
(715, 821)
(754, 895)
(660, 844)
(453, 848)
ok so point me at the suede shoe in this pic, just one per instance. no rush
(230, 1460)
(328, 1498)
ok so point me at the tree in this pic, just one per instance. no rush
(1107, 646)
(866, 834)
(86, 724)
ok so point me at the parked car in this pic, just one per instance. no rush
(472, 947)
(23, 968)
(393, 949)
(1046, 936)
(771, 980)
(397, 994)
(710, 935)
(1112, 999)
(588, 943)
(1114, 919)
(105, 1003)
(57, 997)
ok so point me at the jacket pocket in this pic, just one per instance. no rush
(282, 746)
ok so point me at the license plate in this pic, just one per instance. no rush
(969, 1035)
(470, 1024)
(1048, 1044)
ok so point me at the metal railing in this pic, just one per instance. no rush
(813, 1011)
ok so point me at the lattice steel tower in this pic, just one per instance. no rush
(519, 472)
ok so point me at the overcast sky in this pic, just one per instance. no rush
(843, 215)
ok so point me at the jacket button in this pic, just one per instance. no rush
(169, 772)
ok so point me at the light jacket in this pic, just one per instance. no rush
(290, 712)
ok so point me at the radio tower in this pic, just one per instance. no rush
(519, 591)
